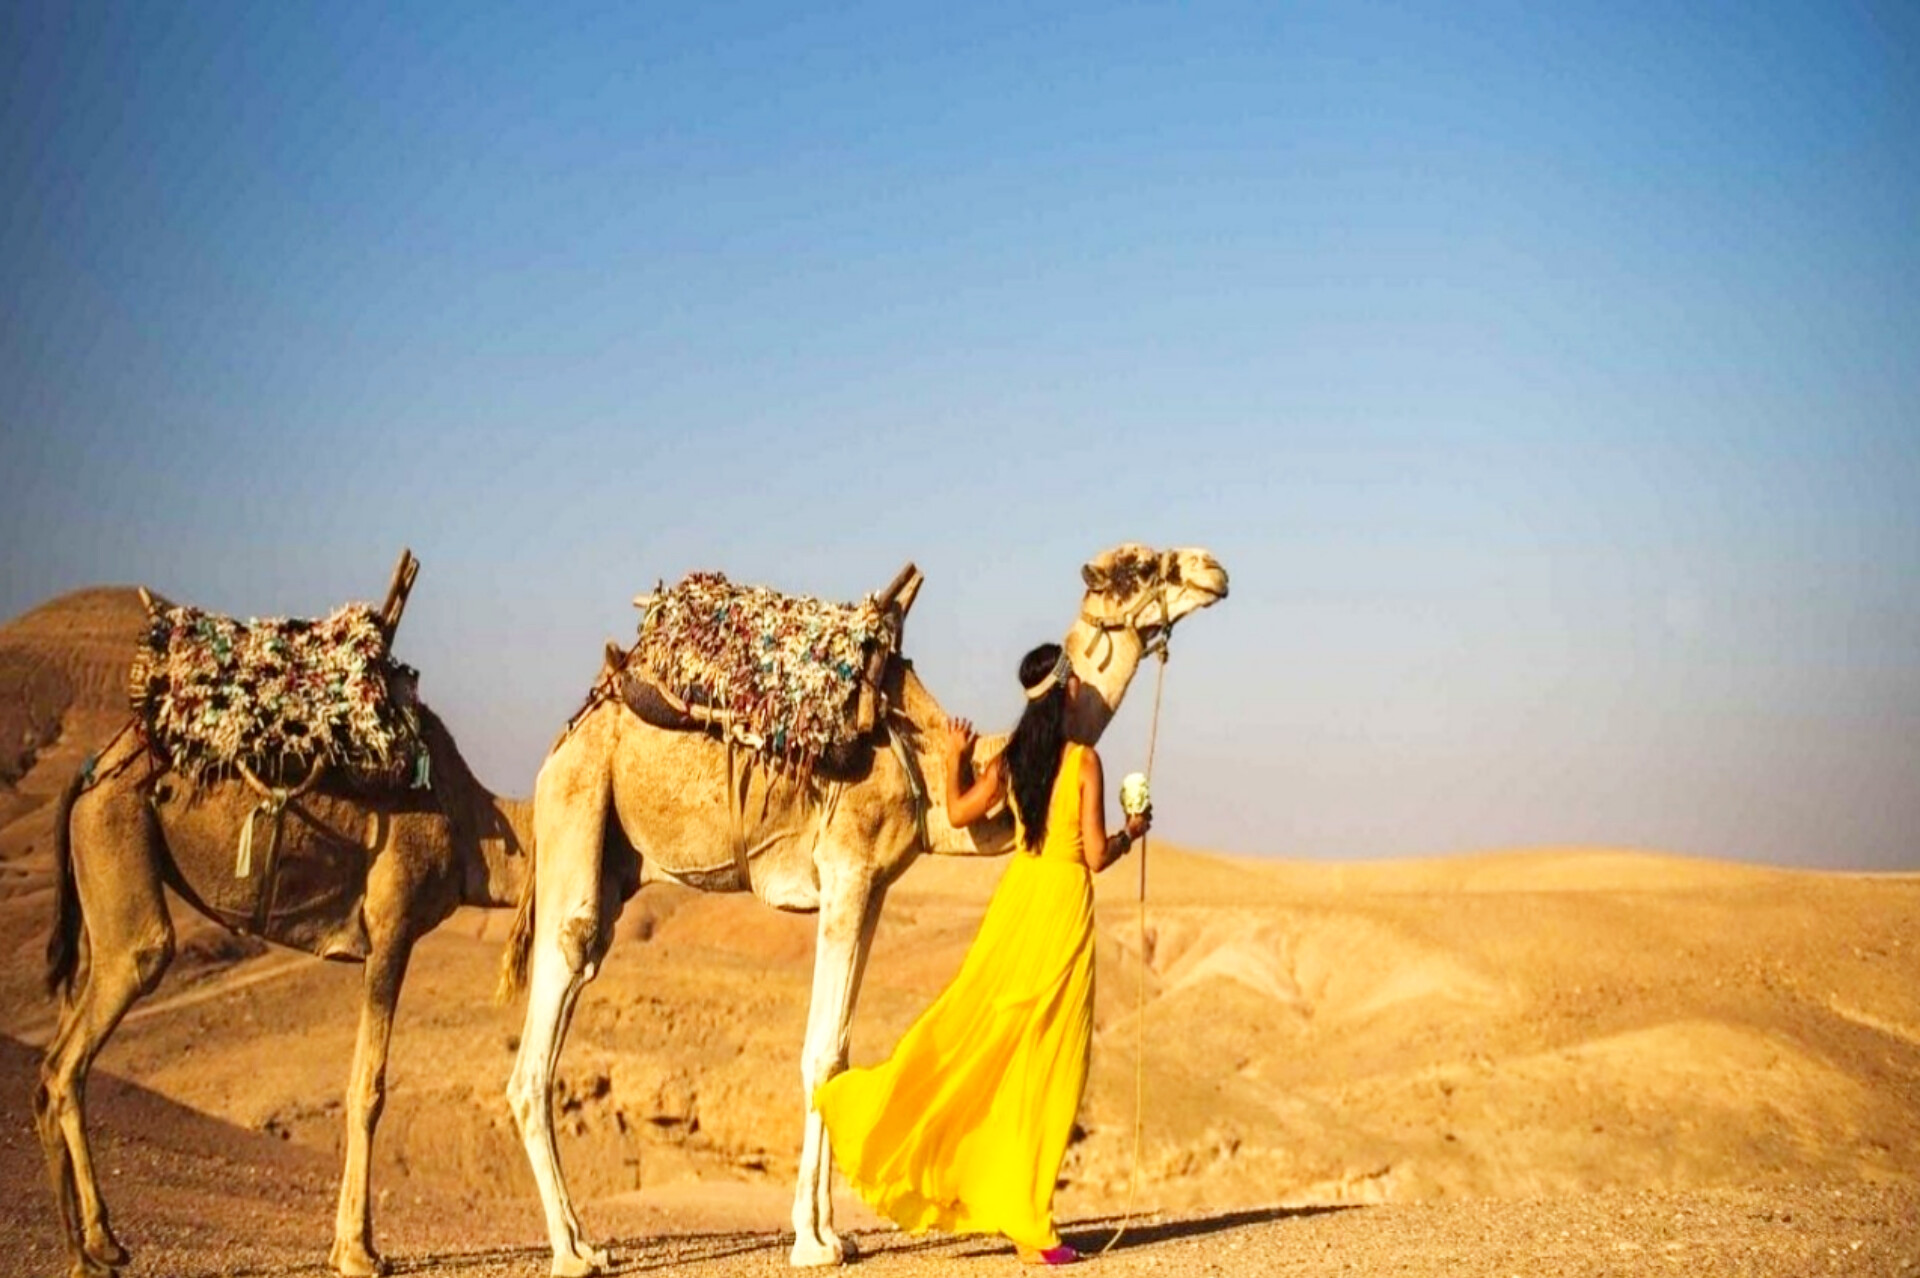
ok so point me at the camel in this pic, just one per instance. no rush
(129, 826)
(619, 802)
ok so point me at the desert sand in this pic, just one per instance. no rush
(1551, 1061)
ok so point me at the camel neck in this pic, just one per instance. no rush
(927, 724)
(1105, 661)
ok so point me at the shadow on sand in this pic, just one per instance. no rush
(1091, 1234)
(630, 1255)
(665, 1251)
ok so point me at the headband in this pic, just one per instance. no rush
(1061, 669)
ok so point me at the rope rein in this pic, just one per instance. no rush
(1159, 649)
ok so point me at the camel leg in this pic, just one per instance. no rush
(553, 991)
(849, 908)
(353, 1254)
(568, 942)
(130, 940)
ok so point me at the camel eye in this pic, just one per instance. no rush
(1173, 572)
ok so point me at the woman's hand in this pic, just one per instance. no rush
(968, 803)
(1139, 824)
(960, 738)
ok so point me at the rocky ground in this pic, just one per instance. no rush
(202, 1198)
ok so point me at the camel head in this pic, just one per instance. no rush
(1134, 597)
(1133, 587)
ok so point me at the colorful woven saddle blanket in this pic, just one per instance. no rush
(782, 674)
(278, 695)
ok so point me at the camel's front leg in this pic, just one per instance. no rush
(849, 907)
(353, 1253)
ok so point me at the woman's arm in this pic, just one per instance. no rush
(968, 803)
(1103, 849)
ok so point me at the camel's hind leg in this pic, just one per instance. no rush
(849, 909)
(130, 938)
(572, 922)
(353, 1252)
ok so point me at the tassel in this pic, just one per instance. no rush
(243, 861)
(422, 771)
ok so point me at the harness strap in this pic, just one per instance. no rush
(90, 773)
(272, 805)
(914, 782)
(827, 809)
(736, 816)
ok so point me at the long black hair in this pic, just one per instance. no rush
(1033, 755)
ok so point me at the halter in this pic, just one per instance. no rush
(1132, 623)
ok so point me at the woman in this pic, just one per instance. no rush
(964, 1126)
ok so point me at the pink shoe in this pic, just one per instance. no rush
(1061, 1255)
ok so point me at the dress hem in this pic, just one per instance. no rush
(916, 1214)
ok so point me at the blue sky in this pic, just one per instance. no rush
(1548, 377)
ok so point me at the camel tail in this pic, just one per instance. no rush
(63, 947)
(513, 963)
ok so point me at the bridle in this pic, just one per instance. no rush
(1151, 611)
(1133, 622)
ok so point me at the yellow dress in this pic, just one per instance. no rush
(964, 1126)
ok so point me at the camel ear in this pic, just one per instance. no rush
(615, 657)
(1094, 575)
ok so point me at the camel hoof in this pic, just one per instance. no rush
(354, 1260)
(812, 1253)
(585, 1261)
(106, 1250)
(88, 1267)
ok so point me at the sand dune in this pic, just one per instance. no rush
(1552, 1022)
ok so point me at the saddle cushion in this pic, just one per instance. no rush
(781, 672)
(212, 692)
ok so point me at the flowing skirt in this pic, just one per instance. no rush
(964, 1127)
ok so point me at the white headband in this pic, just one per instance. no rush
(1061, 669)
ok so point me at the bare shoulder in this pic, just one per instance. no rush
(1090, 764)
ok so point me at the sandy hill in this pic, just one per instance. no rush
(63, 694)
(1546, 1025)
(63, 667)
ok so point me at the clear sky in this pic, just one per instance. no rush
(1547, 376)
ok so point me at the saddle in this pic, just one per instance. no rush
(278, 699)
(798, 681)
